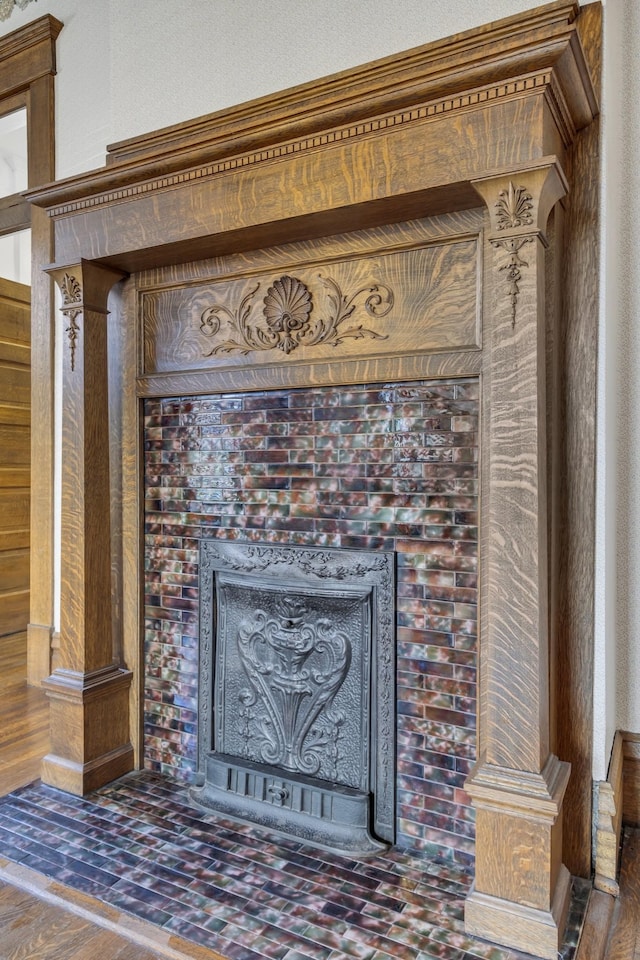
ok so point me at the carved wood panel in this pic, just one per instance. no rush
(418, 294)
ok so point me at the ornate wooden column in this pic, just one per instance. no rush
(521, 892)
(87, 689)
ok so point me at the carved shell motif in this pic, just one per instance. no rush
(286, 320)
(287, 306)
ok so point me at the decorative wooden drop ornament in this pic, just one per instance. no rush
(71, 307)
(514, 208)
(512, 267)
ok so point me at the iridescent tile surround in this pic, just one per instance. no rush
(138, 845)
(390, 467)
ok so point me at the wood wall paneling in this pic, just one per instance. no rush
(15, 394)
(24, 714)
(27, 70)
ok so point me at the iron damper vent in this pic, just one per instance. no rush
(296, 696)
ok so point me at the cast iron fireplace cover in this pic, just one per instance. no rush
(297, 691)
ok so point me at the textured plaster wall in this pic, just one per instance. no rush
(129, 67)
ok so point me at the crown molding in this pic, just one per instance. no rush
(536, 53)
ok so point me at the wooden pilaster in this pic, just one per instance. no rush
(521, 892)
(87, 689)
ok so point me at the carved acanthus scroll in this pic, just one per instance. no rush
(513, 209)
(295, 666)
(287, 319)
(519, 217)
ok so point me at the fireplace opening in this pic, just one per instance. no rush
(377, 468)
(296, 694)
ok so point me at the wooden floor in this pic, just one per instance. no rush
(41, 920)
(612, 925)
(30, 927)
(24, 717)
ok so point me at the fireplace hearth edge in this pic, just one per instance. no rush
(322, 814)
(297, 691)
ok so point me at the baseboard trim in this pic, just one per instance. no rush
(608, 821)
(80, 778)
(617, 803)
(514, 925)
(631, 779)
(596, 928)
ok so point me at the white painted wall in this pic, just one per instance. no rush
(129, 67)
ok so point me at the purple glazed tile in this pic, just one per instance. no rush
(415, 908)
(239, 444)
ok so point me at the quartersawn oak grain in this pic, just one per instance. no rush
(577, 350)
(88, 690)
(501, 106)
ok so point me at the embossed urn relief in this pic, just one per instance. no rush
(296, 695)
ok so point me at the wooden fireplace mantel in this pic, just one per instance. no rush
(436, 115)
(500, 118)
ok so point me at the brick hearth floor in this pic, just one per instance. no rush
(138, 844)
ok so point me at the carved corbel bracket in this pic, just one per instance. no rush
(84, 286)
(519, 203)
